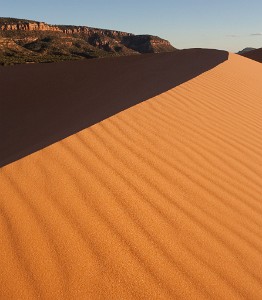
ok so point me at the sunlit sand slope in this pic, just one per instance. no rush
(161, 201)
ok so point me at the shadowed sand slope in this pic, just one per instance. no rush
(161, 201)
(42, 104)
(254, 54)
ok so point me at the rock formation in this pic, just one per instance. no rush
(59, 42)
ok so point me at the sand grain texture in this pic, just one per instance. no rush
(161, 201)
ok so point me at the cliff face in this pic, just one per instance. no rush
(28, 26)
(147, 44)
(59, 42)
(23, 25)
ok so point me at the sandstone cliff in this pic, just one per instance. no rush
(59, 42)
(10, 24)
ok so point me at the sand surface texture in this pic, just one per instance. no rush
(41, 104)
(161, 201)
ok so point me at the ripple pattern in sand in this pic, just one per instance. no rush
(161, 201)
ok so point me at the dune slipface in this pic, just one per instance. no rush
(44, 103)
(161, 201)
(255, 54)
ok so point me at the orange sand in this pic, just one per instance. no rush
(162, 201)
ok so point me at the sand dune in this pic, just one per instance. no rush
(44, 103)
(254, 54)
(161, 201)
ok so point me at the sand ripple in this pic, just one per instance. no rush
(161, 201)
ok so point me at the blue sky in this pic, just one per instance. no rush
(221, 24)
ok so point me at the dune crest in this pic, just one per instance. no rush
(75, 95)
(161, 201)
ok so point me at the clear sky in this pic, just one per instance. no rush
(221, 24)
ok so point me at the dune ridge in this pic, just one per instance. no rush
(161, 201)
(75, 95)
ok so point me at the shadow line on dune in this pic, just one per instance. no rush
(44, 103)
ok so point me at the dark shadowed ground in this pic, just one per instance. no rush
(254, 54)
(43, 103)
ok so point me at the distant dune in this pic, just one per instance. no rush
(254, 54)
(160, 201)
